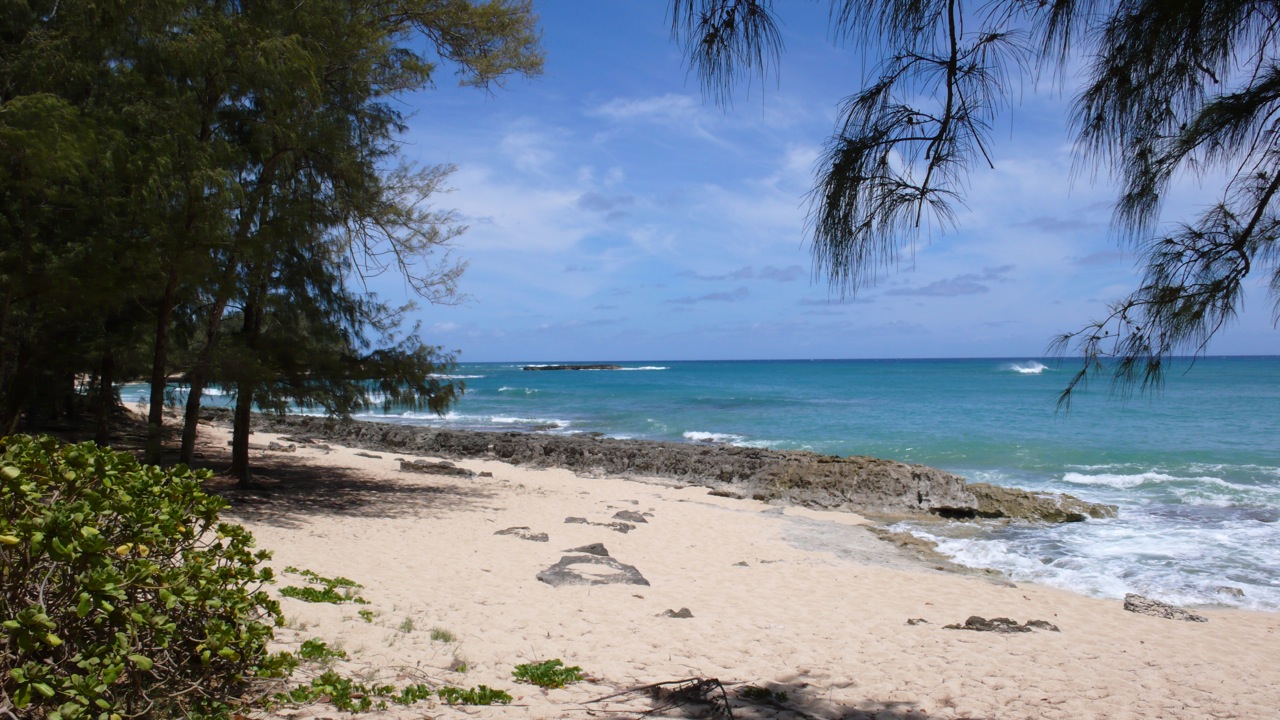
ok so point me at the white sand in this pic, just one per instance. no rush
(819, 610)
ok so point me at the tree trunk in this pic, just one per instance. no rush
(159, 362)
(196, 380)
(106, 397)
(251, 328)
(240, 435)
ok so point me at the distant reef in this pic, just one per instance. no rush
(572, 367)
(884, 489)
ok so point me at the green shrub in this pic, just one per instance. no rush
(478, 695)
(356, 697)
(316, 650)
(327, 593)
(121, 594)
(547, 674)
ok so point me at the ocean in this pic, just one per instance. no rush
(1194, 469)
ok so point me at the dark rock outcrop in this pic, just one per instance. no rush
(1000, 625)
(629, 516)
(1146, 606)
(435, 468)
(524, 533)
(592, 549)
(621, 527)
(997, 502)
(861, 484)
(584, 570)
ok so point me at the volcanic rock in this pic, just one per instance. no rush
(1000, 625)
(524, 533)
(434, 468)
(1146, 606)
(858, 484)
(583, 570)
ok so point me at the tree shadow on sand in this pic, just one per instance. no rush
(285, 492)
(709, 698)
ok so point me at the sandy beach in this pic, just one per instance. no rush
(804, 603)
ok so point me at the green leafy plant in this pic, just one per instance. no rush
(547, 674)
(478, 695)
(317, 650)
(366, 615)
(337, 590)
(121, 594)
(406, 626)
(353, 696)
(342, 692)
(439, 634)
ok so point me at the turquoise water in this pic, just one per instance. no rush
(1195, 470)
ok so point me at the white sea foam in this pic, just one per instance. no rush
(646, 367)
(1135, 480)
(1030, 367)
(517, 390)
(698, 436)
(443, 376)
(1134, 553)
(507, 420)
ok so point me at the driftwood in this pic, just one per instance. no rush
(670, 694)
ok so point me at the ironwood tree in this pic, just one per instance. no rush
(1173, 88)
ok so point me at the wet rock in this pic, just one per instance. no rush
(592, 549)
(1000, 502)
(682, 613)
(486, 474)
(1001, 625)
(1232, 591)
(435, 468)
(587, 570)
(1146, 606)
(629, 516)
(524, 533)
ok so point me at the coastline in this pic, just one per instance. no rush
(887, 490)
(799, 601)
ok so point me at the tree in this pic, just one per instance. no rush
(166, 168)
(1174, 88)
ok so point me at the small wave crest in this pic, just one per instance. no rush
(645, 367)
(1139, 479)
(517, 390)
(711, 437)
(1031, 367)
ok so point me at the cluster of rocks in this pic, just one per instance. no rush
(883, 488)
(588, 564)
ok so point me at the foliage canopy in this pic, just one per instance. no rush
(202, 187)
(1172, 89)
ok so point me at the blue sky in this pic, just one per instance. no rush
(615, 215)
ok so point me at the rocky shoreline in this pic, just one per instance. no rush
(883, 489)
